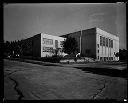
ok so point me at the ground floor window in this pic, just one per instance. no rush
(110, 58)
(105, 58)
(47, 49)
(100, 58)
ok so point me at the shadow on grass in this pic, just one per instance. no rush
(105, 71)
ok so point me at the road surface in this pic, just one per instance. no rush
(27, 81)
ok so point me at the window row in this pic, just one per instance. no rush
(47, 41)
(106, 42)
(47, 49)
(106, 58)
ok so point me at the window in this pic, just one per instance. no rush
(100, 58)
(97, 57)
(104, 58)
(109, 43)
(106, 42)
(47, 41)
(47, 49)
(110, 58)
(98, 45)
(56, 43)
(100, 40)
(98, 50)
(103, 41)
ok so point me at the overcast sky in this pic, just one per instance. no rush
(26, 20)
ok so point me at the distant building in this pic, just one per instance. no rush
(42, 45)
(96, 43)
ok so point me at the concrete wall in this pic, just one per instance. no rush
(89, 42)
(37, 45)
(28, 47)
(105, 51)
(52, 45)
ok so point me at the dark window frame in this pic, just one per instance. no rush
(100, 58)
(106, 42)
(98, 45)
(109, 42)
(101, 41)
(56, 43)
(47, 49)
(98, 50)
(47, 41)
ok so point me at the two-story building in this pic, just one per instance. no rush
(43, 45)
(96, 43)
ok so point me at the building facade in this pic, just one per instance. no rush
(107, 45)
(97, 44)
(50, 45)
(44, 45)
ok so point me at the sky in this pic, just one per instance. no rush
(26, 20)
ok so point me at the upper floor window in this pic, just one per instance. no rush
(47, 41)
(101, 41)
(98, 45)
(56, 43)
(98, 50)
(106, 42)
(111, 43)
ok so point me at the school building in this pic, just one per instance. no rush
(96, 43)
(44, 45)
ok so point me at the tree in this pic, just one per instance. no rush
(123, 54)
(117, 54)
(7, 48)
(70, 46)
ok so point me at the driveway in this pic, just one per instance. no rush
(27, 81)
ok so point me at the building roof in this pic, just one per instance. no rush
(94, 28)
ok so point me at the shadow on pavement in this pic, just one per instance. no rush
(40, 63)
(105, 71)
(50, 65)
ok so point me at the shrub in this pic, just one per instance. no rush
(53, 59)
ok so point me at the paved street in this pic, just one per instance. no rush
(27, 81)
